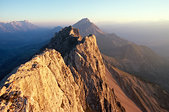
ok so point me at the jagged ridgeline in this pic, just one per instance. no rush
(69, 76)
(128, 56)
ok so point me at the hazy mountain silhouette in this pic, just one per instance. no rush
(17, 26)
(152, 34)
(56, 29)
(87, 27)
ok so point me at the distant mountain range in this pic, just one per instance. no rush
(17, 26)
(155, 34)
(128, 56)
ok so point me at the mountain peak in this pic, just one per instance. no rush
(86, 27)
(67, 31)
(65, 40)
(20, 22)
(85, 20)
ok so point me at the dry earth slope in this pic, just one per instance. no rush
(148, 96)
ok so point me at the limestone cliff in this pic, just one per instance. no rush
(69, 76)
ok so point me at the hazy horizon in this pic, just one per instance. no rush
(153, 34)
(143, 22)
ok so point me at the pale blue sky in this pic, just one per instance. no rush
(69, 11)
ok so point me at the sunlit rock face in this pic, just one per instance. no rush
(43, 84)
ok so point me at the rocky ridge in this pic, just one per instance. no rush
(68, 76)
(128, 56)
(87, 67)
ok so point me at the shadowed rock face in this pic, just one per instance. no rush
(49, 83)
(65, 40)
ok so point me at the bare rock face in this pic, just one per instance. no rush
(86, 65)
(65, 40)
(88, 69)
(43, 84)
(47, 83)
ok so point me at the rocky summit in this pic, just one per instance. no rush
(69, 76)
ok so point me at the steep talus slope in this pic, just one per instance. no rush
(149, 97)
(128, 56)
(48, 83)
(128, 104)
